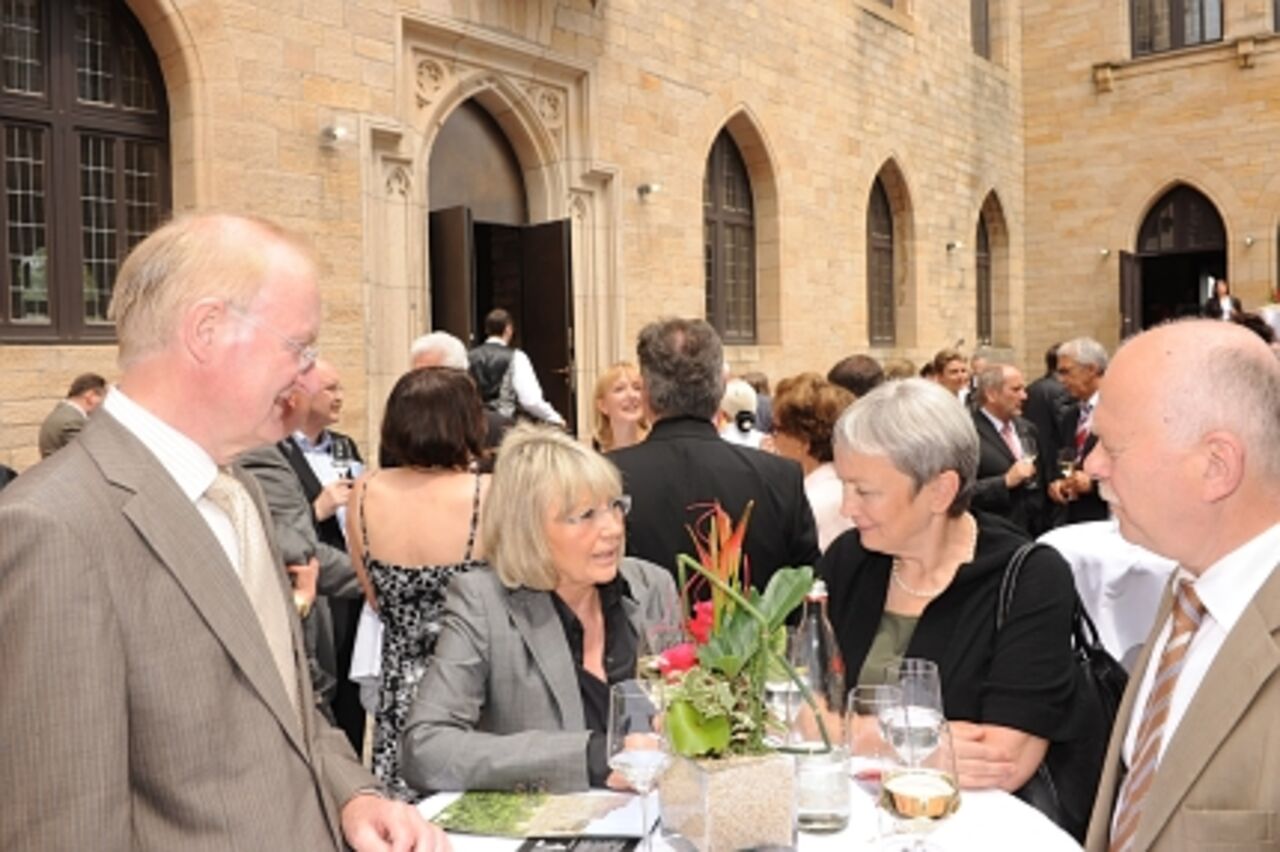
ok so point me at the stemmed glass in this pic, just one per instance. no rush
(1029, 454)
(922, 789)
(657, 639)
(637, 750)
(869, 752)
(341, 458)
(913, 723)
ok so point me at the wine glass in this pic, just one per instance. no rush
(1067, 461)
(869, 752)
(637, 750)
(657, 638)
(782, 696)
(913, 724)
(341, 458)
(923, 789)
(1029, 454)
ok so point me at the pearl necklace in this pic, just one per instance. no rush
(895, 572)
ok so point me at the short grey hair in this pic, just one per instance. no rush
(682, 364)
(1087, 351)
(540, 469)
(921, 428)
(990, 380)
(452, 353)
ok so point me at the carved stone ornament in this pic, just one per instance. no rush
(548, 102)
(430, 80)
(399, 182)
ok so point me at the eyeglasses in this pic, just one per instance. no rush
(620, 504)
(306, 355)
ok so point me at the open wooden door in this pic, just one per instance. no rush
(1130, 294)
(453, 278)
(547, 308)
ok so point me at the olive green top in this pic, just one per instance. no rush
(888, 647)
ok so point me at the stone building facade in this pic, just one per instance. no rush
(325, 114)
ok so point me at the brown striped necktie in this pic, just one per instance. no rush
(1187, 613)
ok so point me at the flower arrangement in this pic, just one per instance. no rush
(715, 684)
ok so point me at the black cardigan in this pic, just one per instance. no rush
(1023, 679)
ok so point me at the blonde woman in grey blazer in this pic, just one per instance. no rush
(505, 701)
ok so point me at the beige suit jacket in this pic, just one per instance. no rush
(60, 426)
(141, 708)
(1218, 784)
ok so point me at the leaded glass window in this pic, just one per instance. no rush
(1160, 25)
(881, 328)
(84, 142)
(729, 243)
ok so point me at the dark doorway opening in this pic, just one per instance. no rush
(485, 254)
(1181, 250)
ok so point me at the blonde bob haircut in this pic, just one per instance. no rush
(194, 257)
(540, 470)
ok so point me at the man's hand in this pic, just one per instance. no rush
(1018, 473)
(335, 494)
(371, 823)
(304, 582)
(1060, 491)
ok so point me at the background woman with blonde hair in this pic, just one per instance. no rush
(618, 415)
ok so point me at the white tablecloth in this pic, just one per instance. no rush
(1119, 583)
(987, 821)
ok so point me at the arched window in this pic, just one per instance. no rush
(729, 243)
(1183, 220)
(1160, 25)
(881, 328)
(84, 140)
(986, 323)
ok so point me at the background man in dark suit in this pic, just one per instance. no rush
(1046, 407)
(684, 466)
(1008, 461)
(69, 415)
(325, 461)
(1081, 364)
(154, 689)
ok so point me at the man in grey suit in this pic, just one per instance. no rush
(1187, 458)
(69, 415)
(152, 695)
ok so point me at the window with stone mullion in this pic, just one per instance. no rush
(1160, 25)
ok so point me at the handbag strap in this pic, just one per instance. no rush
(1009, 582)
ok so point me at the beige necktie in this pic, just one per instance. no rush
(1006, 432)
(1188, 611)
(259, 575)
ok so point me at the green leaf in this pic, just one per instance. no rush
(786, 590)
(733, 645)
(692, 734)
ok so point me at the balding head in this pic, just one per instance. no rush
(1186, 450)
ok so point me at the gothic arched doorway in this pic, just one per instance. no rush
(485, 254)
(1181, 249)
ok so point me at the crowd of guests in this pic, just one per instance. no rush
(515, 570)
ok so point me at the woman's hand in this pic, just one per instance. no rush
(993, 756)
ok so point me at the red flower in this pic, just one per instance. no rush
(681, 658)
(703, 621)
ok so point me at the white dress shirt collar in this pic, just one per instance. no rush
(186, 461)
(1229, 584)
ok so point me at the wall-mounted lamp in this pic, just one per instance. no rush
(1248, 241)
(1104, 253)
(954, 245)
(333, 135)
(644, 190)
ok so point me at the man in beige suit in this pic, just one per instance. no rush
(1188, 459)
(154, 696)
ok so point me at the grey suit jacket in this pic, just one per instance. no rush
(141, 707)
(1218, 784)
(60, 426)
(499, 705)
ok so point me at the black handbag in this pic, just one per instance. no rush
(1065, 783)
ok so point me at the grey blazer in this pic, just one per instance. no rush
(141, 708)
(1218, 783)
(499, 705)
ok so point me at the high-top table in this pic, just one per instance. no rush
(987, 821)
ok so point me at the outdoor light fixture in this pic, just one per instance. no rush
(954, 245)
(1104, 253)
(644, 190)
(1248, 241)
(331, 136)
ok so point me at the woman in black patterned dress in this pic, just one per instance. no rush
(412, 528)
